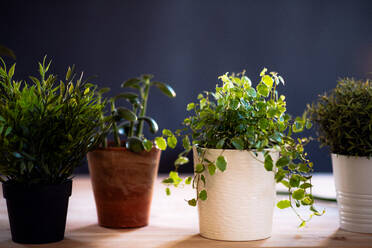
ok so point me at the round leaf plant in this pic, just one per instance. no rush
(129, 122)
(243, 117)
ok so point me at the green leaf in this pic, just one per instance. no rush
(305, 185)
(161, 143)
(263, 90)
(175, 177)
(211, 169)
(151, 122)
(188, 180)
(147, 144)
(238, 143)
(221, 163)
(190, 106)
(172, 141)
(282, 162)
(283, 204)
(103, 90)
(167, 191)
(199, 168)
(11, 71)
(132, 83)
(134, 144)
(167, 132)
(298, 194)
(263, 72)
(203, 195)
(186, 143)
(251, 92)
(165, 88)
(126, 114)
(268, 81)
(181, 160)
(294, 181)
(220, 143)
(303, 223)
(192, 202)
(268, 163)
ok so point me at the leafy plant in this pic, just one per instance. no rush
(130, 122)
(240, 116)
(46, 127)
(344, 118)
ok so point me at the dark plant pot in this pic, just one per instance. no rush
(37, 214)
(123, 184)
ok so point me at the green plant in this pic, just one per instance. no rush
(239, 116)
(129, 122)
(344, 118)
(46, 127)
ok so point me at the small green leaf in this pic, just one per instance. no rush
(151, 122)
(172, 141)
(303, 223)
(165, 88)
(161, 143)
(135, 144)
(181, 160)
(203, 195)
(167, 132)
(199, 168)
(221, 163)
(263, 90)
(283, 204)
(190, 106)
(126, 114)
(186, 143)
(147, 144)
(220, 143)
(192, 202)
(268, 163)
(211, 169)
(294, 181)
(283, 161)
(167, 191)
(238, 143)
(298, 194)
(188, 180)
(268, 81)
(131, 83)
(175, 177)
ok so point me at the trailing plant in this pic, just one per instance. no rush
(129, 123)
(344, 118)
(46, 126)
(240, 116)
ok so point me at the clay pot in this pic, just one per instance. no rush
(123, 184)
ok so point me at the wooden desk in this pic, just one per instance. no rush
(174, 224)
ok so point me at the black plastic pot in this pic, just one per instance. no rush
(37, 214)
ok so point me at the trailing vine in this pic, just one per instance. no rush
(240, 116)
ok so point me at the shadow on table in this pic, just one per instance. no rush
(348, 239)
(196, 241)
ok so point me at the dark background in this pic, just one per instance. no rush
(189, 43)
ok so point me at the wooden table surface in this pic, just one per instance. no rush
(174, 224)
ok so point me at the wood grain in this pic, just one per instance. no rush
(174, 224)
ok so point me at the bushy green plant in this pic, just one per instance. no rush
(46, 126)
(129, 123)
(344, 118)
(240, 116)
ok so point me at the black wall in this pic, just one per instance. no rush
(189, 43)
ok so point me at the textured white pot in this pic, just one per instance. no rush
(353, 176)
(241, 199)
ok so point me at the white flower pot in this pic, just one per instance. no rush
(353, 177)
(241, 199)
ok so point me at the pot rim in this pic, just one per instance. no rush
(121, 148)
(351, 156)
(253, 150)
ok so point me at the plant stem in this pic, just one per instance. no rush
(144, 107)
(131, 127)
(115, 127)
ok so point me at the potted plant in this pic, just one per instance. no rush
(123, 171)
(242, 144)
(46, 128)
(344, 123)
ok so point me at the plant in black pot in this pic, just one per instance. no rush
(123, 172)
(46, 129)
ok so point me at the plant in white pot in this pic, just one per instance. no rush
(344, 123)
(46, 128)
(243, 145)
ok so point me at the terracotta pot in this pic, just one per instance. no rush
(123, 184)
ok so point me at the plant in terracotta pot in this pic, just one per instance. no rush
(46, 129)
(344, 123)
(242, 144)
(123, 171)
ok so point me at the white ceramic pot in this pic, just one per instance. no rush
(241, 199)
(353, 176)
